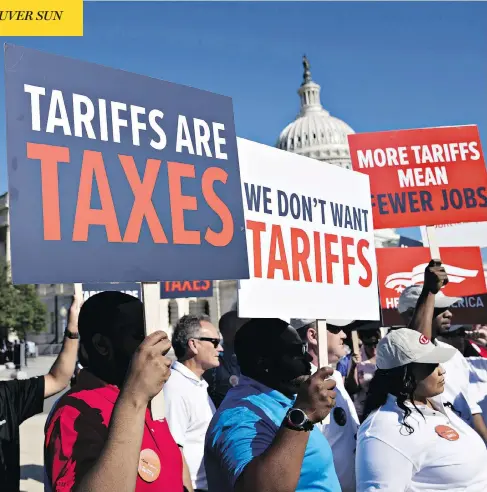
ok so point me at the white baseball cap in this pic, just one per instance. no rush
(404, 346)
(340, 322)
(410, 295)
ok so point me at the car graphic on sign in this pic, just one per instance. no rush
(400, 280)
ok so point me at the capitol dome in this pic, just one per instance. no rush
(315, 133)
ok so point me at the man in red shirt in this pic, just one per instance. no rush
(101, 435)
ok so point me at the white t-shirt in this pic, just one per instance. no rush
(341, 433)
(189, 410)
(458, 390)
(390, 460)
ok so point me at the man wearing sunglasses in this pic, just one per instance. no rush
(189, 409)
(340, 430)
(425, 309)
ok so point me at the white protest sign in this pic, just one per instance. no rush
(462, 235)
(309, 238)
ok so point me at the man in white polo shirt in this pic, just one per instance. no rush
(425, 309)
(189, 409)
(341, 429)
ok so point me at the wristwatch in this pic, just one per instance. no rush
(296, 419)
(71, 335)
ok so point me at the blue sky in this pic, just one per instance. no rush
(382, 66)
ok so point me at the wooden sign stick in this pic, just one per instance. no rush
(78, 291)
(322, 351)
(433, 243)
(355, 343)
(322, 343)
(151, 294)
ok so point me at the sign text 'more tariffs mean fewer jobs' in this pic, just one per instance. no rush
(136, 178)
(423, 177)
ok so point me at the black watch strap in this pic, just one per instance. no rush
(71, 335)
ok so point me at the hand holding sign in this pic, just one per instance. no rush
(435, 277)
(150, 368)
(74, 310)
(478, 335)
(316, 397)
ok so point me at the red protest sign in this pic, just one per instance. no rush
(469, 310)
(400, 267)
(423, 177)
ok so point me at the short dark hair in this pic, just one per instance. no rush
(257, 339)
(186, 328)
(109, 313)
(372, 335)
(230, 323)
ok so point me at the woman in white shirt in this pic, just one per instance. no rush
(409, 441)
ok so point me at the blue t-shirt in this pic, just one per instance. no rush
(244, 427)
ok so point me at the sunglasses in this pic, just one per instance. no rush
(214, 341)
(370, 343)
(334, 329)
(438, 311)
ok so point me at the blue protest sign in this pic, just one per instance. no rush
(189, 288)
(406, 242)
(116, 177)
(169, 289)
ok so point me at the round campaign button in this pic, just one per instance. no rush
(149, 465)
(340, 416)
(233, 380)
(447, 433)
(423, 340)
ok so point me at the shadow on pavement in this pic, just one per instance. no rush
(33, 472)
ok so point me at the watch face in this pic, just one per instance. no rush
(297, 417)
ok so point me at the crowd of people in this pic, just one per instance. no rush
(248, 409)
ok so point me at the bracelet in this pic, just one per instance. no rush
(71, 335)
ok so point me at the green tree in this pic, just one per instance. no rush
(8, 302)
(21, 310)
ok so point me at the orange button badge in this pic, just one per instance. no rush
(447, 433)
(149, 465)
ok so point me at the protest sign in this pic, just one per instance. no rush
(407, 242)
(469, 311)
(188, 288)
(310, 238)
(423, 177)
(116, 177)
(169, 290)
(464, 234)
(401, 267)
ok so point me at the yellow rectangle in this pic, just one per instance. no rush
(41, 17)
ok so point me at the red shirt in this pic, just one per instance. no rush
(78, 430)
